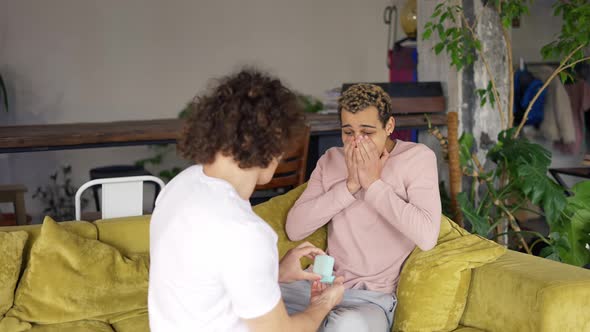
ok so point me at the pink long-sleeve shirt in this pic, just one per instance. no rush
(371, 233)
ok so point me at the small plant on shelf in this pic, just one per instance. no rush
(58, 196)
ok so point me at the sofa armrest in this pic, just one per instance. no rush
(521, 292)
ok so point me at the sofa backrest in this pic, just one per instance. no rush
(82, 228)
(129, 235)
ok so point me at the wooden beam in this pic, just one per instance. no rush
(161, 131)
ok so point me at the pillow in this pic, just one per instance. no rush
(433, 287)
(12, 324)
(82, 228)
(82, 325)
(130, 235)
(11, 257)
(274, 212)
(135, 324)
(71, 278)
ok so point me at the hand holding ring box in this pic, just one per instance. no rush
(324, 265)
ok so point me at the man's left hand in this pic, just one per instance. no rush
(290, 266)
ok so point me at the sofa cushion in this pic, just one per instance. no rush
(82, 228)
(13, 324)
(11, 257)
(434, 284)
(130, 235)
(78, 326)
(467, 329)
(71, 278)
(135, 324)
(523, 293)
(274, 212)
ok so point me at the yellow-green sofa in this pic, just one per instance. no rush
(516, 292)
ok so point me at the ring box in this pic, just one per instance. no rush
(324, 265)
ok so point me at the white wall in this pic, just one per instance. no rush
(536, 30)
(108, 60)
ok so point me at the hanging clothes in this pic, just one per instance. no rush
(558, 124)
(579, 94)
(526, 86)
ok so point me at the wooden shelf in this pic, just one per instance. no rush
(161, 131)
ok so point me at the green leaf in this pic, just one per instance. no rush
(441, 31)
(477, 44)
(436, 13)
(491, 97)
(515, 148)
(438, 48)
(549, 252)
(482, 101)
(541, 190)
(527, 164)
(479, 223)
(427, 33)
(445, 199)
(575, 226)
(466, 143)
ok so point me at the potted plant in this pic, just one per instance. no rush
(58, 196)
(514, 173)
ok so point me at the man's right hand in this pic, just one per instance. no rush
(327, 296)
(352, 183)
(323, 299)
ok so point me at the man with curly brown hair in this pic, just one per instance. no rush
(214, 262)
(380, 200)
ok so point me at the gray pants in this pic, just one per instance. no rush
(359, 311)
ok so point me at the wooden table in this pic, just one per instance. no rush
(161, 131)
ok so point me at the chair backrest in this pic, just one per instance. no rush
(121, 197)
(291, 169)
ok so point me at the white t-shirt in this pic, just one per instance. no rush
(213, 260)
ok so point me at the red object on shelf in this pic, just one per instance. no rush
(9, 219)
(402, 68)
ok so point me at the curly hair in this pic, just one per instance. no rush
(249, 115)
(360, 96)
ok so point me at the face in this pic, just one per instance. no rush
(365, 123)
(267, 173)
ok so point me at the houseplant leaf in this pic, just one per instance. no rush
(516, 151)
(575, 225)
(466, 143)
(479, 223)
(541, 190)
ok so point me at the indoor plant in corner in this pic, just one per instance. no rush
(58, 196)
(515, 174)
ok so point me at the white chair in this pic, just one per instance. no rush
(121, 197)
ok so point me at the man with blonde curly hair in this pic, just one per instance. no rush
(380, 200)
(214, 262)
